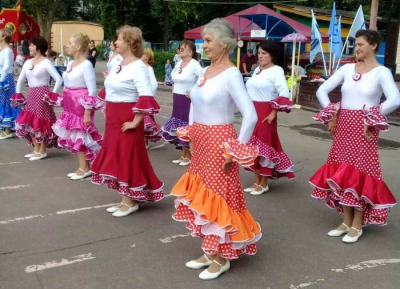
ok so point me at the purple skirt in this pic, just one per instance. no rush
(179, 117)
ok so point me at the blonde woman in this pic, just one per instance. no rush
(123, 164)
(75, 127)
(8, 114)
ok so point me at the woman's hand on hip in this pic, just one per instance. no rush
(227, 165)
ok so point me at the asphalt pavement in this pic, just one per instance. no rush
(56, 234)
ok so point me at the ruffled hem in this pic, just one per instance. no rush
(208, 216)
(18, 99)
(327, 114)
(270, 158)
(170, 130)
(282, 103)
(87, 140)
(375, 119)
(29, 127)
(91, 102)
(342, 184)
(5, 85)
(146, 105)
(53, 99)
(152, 130)
(139, 194)
(183, 133)
(244, 154)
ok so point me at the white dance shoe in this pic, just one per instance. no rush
(31, 155)
(178, 161)
(38, 157)
(7, 136)
(349, 240)
(131, 210)
(113, 209)
(250, 189)
(81, 177)
(185, 162)
(198, 265)
(206, 275)
(338, 233)
(257, 193)
(70, 175)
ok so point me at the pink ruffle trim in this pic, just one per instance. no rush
(53, 99)
(243, 154)
(282, 103)
(18, 99)
(91, 102)
(327, 114)
(146, 105)
(183, 133)
(374, 118)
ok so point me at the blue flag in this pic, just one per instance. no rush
(336, 43)
(316, 41)
(358, 23)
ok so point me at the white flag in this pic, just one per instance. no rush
(358, 23)
(315, 38)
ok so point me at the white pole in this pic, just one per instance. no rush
(62, 44)
(323, 57)
(292, 75)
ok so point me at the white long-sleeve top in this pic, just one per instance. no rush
(268, 84)
(214, 102)
(6, 62)
(184, 81)
(366, 91)
(81, 76)
(113, 62)
(39, 75)
(153, 80)
(127, 83)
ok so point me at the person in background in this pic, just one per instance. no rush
(25, 48)
(168, 70)
(19, 62)
(247, 62)
(176, 58)
(92, 53)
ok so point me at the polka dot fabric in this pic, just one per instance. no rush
(37, 118)
(272, 161)
(210, 201)
(352, 174)
(152, 130)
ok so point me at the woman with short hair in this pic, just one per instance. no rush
(268, 89)
(351, 180)
(37, 117)
(210, 197)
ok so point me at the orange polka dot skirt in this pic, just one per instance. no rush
(210, 201)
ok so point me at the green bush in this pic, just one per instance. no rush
(160, 59)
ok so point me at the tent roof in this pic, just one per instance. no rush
(195, 33)
(259, 13)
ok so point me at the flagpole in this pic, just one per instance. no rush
(292, 75)
(347, 38)
(323, 58)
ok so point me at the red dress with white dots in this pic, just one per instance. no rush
(352, 175)
(210, 201)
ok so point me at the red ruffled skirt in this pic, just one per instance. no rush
(152, 130)
(272, 160)
(352, 175)
(211, 202)
(36, 119)
(122, 163)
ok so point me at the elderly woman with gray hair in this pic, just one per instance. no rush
(210, 197)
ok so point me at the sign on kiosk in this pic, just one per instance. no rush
(258, 33)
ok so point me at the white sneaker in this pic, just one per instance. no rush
(185, 162)
(198, 265)
(206, 275)
(6, 136)
(31, 155)
(349, 240)
(38, 157)
(81, 177)
(131, 210)
(257, 193)
(177, 161)
(250, 189)
(338, 233)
